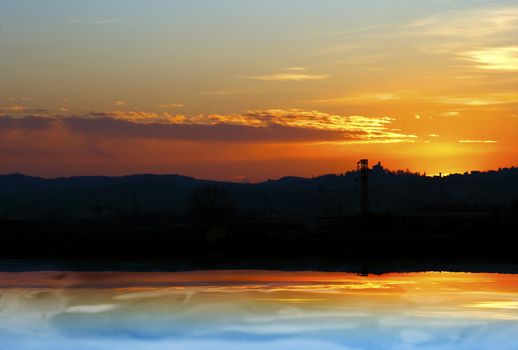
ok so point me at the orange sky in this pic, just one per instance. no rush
(110, 88)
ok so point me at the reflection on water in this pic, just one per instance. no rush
(257, 310)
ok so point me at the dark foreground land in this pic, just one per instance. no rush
(371, 243)
(171, 222)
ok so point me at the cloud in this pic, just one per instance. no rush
(478, 141)
(474, 35)
(255, 144)
(487, 99)
(107, 21)
(198, 132)
(479, 100)
(278, 328)
(482, 22)
(450, 114)
(363, 98)
(371, 129)
(498, 305)
(290, 74)
(91, 309)
(220, 93)
(495, 58)
(24, 110)
(28, 123)
(297, 122)
(290, 77)
(171, 105)
(253, 126)
(134, 116)
(19, 98)
(92, 21)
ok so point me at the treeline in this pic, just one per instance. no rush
(183, 200)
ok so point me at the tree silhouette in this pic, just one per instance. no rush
(210, 205)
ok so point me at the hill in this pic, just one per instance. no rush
(292, 198)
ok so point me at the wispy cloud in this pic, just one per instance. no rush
(142, 117)
(107, 21)
(494, 58)
(479, 100)
(488, 99)
(279, 124)
(220, 93)
(17, 109)
(19, 98)
(472, 23)
(474, 35)
(91, 309)
(295, 73)
(92, 20)
(450, 114)
(366, 129)
(297, 69)
(171, 105)
(361, 98)
(477, 141)
(290, 77)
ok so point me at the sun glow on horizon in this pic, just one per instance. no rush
(315, 90)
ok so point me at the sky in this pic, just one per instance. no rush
(250, 90)
(254, 310)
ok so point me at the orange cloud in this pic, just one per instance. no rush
(290, 74)
(171, 105)
(257, 144)
(364, 129)
(290, 77)
(477, 141)
(25, 110)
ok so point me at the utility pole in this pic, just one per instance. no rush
(363, 168)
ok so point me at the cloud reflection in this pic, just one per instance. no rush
(257, 310)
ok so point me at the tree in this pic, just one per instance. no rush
(210, 205)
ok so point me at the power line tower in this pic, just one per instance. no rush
(363, 168)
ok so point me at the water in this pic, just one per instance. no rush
(257, 310)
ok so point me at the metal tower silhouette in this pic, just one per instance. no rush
(363, 168)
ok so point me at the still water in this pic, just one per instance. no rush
(257, 310)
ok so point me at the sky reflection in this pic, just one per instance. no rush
(257, 310)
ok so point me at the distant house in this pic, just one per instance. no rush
(378, 169)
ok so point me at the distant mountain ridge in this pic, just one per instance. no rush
(296, 198)
(20, 183)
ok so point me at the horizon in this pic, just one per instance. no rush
(247, 181)
(209, 90)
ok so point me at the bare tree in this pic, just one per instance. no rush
(210, 205)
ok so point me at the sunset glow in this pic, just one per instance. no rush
(257, 89)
